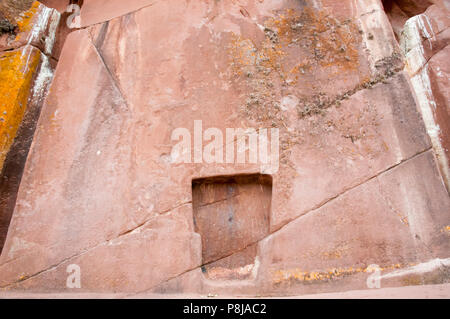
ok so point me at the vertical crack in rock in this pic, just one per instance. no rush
(108, 70)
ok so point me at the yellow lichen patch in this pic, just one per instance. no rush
(337, 252)
(328, 42)
(261, 69)
(296, 46)
(25, 20)
(22, 277)
(247, 58)
(299, 275)
(16, 75)
(308, 276)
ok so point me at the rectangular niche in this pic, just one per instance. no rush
(231, 214)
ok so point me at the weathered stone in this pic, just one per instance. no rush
(60, 5)
(36, 27)
(439, 74)
(425, 40)
(13, 8)
(6, 26)
(166, 245)
(230, 214)
(53, 128)
(17, 71)
(335, 244)
(423, 36)
(25, 74)
(97, 11)
(356, 182)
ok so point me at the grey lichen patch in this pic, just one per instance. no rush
(388, 66)
(320, 102)
(6, 26)
(13, 8)
(321, 40)
(297, 45)
(317, 104)
(298, 48)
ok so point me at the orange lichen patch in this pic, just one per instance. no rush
(246, 57)
(337, 252)
(242, 52)
(261, 69)
(299, 275)
(446, 229)
(327, 41)
(296, 44)
(307, 276)
(17, 69)
(23, 277)
(25, 19)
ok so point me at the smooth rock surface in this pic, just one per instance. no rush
(356, 182)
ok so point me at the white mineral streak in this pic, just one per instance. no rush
(40, 25)
(51, 37)
(422, 268)
(415, 31)
(46, 23)
(427, 106)
(47, 19)
(43, 79)
(378, 36)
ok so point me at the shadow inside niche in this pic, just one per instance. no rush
(231, 214)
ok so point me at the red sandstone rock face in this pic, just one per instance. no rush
(357, 182)
(25, 74)
(425, 42)
(96, 11)
(59, 5)
(36, 26)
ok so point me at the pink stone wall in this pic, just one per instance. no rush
(358, 181)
